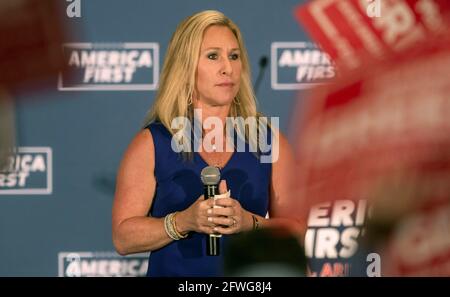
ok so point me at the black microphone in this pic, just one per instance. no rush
(262, 66)
(210, 177)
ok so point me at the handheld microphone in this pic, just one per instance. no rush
(210, 177)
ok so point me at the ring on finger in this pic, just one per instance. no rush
(234, 222)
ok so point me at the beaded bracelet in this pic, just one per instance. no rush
(170, 227)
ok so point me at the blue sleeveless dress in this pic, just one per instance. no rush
(179, 185)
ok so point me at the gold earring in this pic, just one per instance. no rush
(236, 101)
(189, 101)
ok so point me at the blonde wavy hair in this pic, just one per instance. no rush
(177, 81)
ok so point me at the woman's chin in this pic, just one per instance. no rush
(221, 102)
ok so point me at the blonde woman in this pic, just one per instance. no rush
(158, 204)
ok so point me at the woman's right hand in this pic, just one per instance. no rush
(195, 217)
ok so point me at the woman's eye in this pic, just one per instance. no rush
(234, 56)
(212, 56)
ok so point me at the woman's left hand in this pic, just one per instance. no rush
(230, 218)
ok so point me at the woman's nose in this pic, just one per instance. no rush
(226, 69)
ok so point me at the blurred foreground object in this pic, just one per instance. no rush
(374, 146)
(383, 135)
(274, 252)
(353, 36)
(32, 32)
(6, 127)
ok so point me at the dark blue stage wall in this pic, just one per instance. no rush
(55, 213)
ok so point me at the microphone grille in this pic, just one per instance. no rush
(210, 175)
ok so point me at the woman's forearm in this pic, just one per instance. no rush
(140, 234)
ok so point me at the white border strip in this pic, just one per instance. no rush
(274, 68)
(114, 87)
(35, 191)
(112, 255)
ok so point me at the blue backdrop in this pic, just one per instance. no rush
(55, 218)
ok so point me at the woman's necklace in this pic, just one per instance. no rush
(215, 158)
